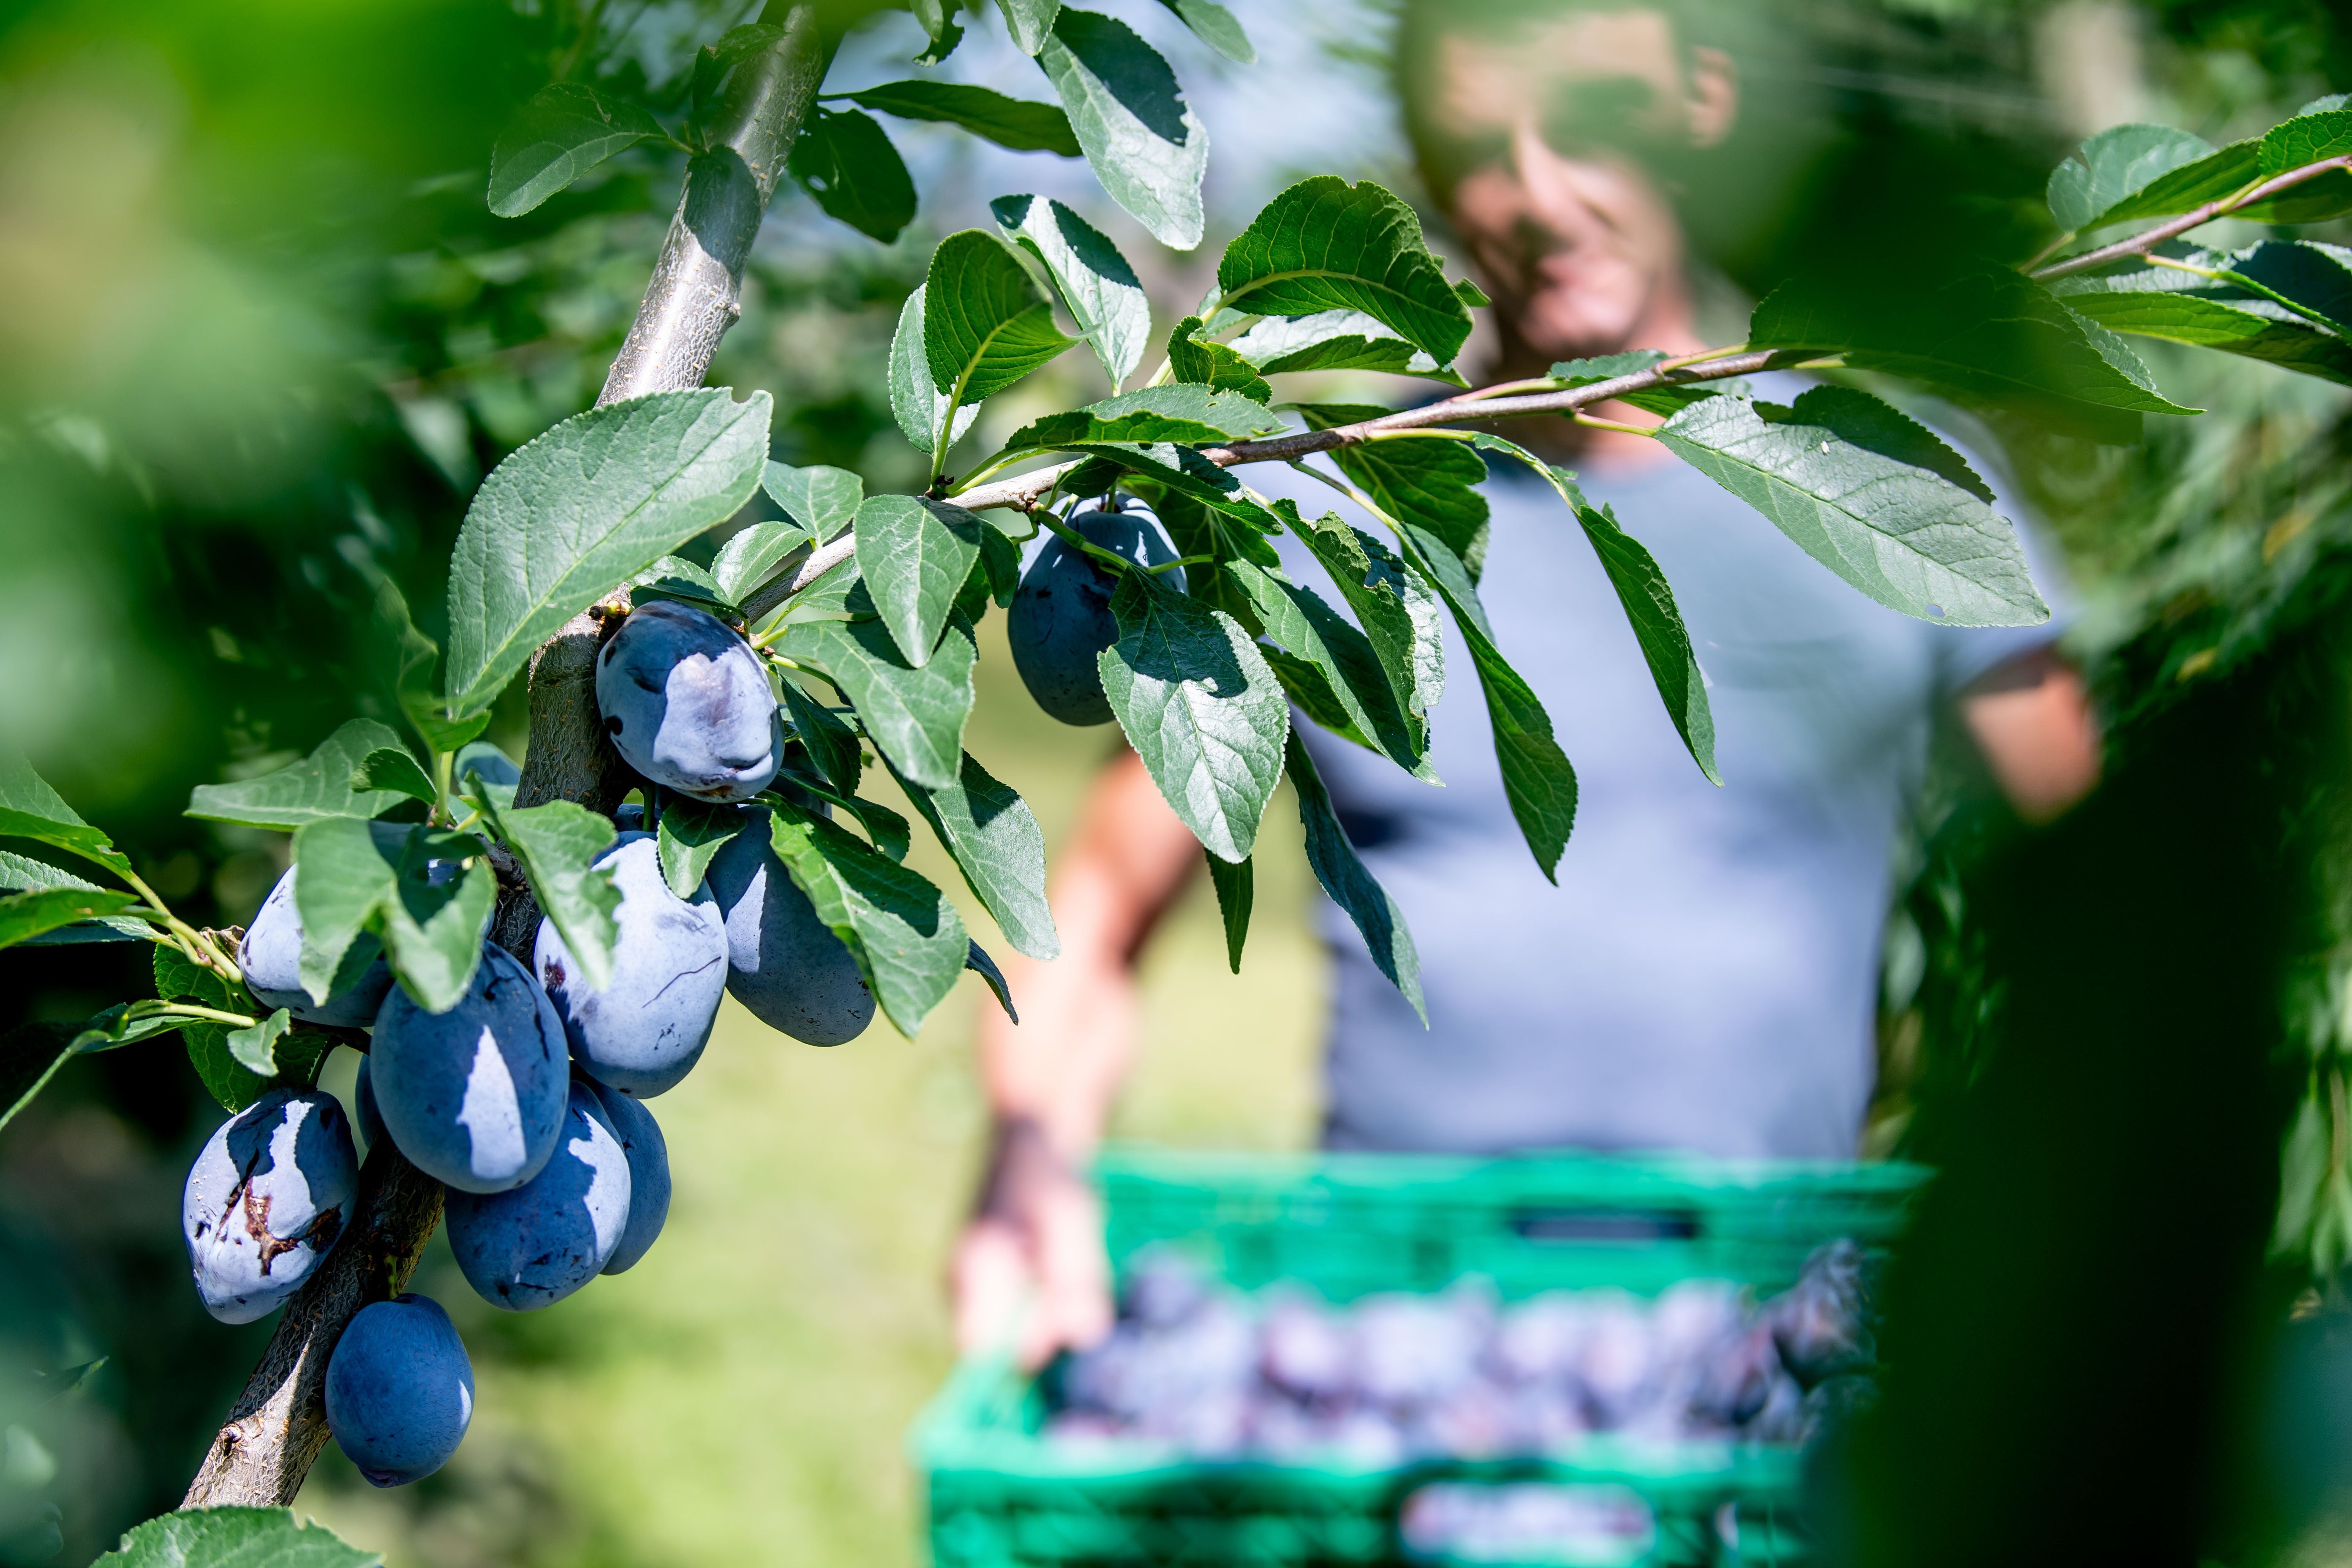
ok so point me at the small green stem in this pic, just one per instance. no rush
(1079, 541)
(1702, 357)
(2239, 280)
(1588, 420)
(189, 1010)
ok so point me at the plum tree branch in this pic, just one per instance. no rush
(2195, 217)
(279, 1423)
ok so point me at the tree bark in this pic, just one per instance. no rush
(278, 1425)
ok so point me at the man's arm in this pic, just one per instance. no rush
(2033, 719)
(1029, 1270)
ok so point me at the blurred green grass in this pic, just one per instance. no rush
(742, 1397)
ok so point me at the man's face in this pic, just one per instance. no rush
(1575, 242)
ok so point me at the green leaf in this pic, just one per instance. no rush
(558, 844)
(2306, 139)
(1096, 285)
(1351, 886)
(1185, 412)
(914, 716)
(256, 1048)
(328, 782)
(1649, 604)
(999, 847)
(30, 809)
(905, 935)
(1396, 609)
(915, 553)
(414, 669)
(1031, 22)
(2217, 175)
(919, 407)
(1235, 886)
(1013, 122)
(1839, 474)
(1142, 139)
(235, 1538)
(344, 870)
(2117, 163)
(1981, 332)
(714, 62)
(30, 1055)
(1217, 27)
(1654, 400)
(573, 513)
(180, 979)
(24, 916)
(940, 25)
(2153, 304)
(831, 744)
(680, 581)
(845, 161)
(351, 877)
(985, 324)
(1326, 245)
(394, 768)
(566, 130)
(1431, 484)
(25, 874)
(1211, 365)
(751, 557)
(1336, 340)
(976, 959)
(690, 835)
(1200, 708)
(1352, 695)
(886, 828)
(824, 501)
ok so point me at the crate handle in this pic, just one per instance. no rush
(1619, 1224)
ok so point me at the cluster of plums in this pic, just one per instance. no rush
(525, 1098)
(1215, 1374)
(1060, 620)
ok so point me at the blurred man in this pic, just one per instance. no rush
(1704, 977)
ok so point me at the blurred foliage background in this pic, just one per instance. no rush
(261, 338)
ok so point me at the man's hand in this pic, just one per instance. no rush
(1030, 1275)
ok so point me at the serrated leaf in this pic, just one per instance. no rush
(256, 1046)
(914, 553)
(30, 809)
(1981, 332)
(575, 512)
(831, 744)
(1145, 144)
(751, 557)
(2114, 165)
(1236, 890)
(1352, 685)
(394, 768)
(1432, 485)
(996, 843)
(847, 163)
(985, 325)
(1201, 709)
(1031, 22)
(1326, 245)
(566, 130)
(351, 877)
(976, 959)
(557, 844)
(1396, 608)
(1183, 412)
(690, 835)
(413, 668)
(914, 716)
(680, 581)
(821, 500)
(1337, 340)
(326, 783)
(2154, 304)
(919, 407)
(1211, 365)
(343, 869)
(1352, 887)
(1014, 122)
(22, 873)
(1096, 285)
(2306, 139)
(1835, 474)
(905, 935)
(235, 1538)
(24, 916)
(1217, 27)
(939, 27)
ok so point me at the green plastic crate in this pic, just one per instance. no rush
(1347, 1224)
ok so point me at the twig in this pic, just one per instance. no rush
(2195, 217)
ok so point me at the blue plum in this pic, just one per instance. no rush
(784, 964)
(474, 1096)
(534, 1244)
(364, 1109)
(648, 1152)
(266, 1200)
(688, 703)
(1060, 620)
(400, 1391)
(644, 1031)
(271, 958)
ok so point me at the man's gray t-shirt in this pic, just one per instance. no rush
(1705, 975)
